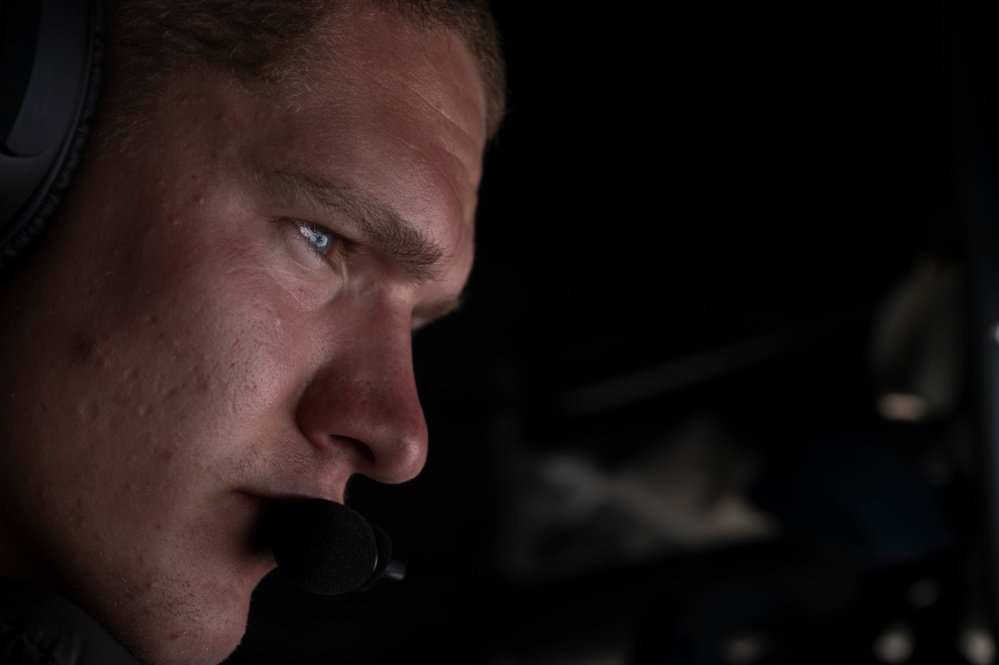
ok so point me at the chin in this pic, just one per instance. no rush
(209, 641)
(191, 649)
(203, 625)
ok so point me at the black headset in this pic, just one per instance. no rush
(51, 60)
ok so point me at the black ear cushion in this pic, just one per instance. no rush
(51, 200)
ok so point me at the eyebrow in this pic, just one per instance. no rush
(382, 226)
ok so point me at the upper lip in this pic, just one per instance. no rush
(290, 495)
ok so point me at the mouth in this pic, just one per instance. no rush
(260, 537)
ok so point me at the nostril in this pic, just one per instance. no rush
(392, 452)
(404, 460)
(353, 451)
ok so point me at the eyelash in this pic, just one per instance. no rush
(337, 244)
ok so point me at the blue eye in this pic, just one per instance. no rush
(321, 239)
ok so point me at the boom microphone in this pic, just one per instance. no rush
(329, 549)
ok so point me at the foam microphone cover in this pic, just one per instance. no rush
(327, 548)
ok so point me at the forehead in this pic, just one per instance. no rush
(366, 64)
(378, 97)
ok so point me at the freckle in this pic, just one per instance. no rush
(175, 636)
(167, 456)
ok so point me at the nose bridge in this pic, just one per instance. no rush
(362, 408)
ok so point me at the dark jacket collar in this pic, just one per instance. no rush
(40, 627)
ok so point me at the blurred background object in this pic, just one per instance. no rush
(724, 391)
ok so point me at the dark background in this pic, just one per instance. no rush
(712, 239)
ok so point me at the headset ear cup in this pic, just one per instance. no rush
(35, 219)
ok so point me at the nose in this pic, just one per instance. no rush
(361, 410)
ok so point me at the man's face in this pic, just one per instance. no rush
(192, 342)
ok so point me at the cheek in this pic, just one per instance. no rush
(218, 346)
(196, 337)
